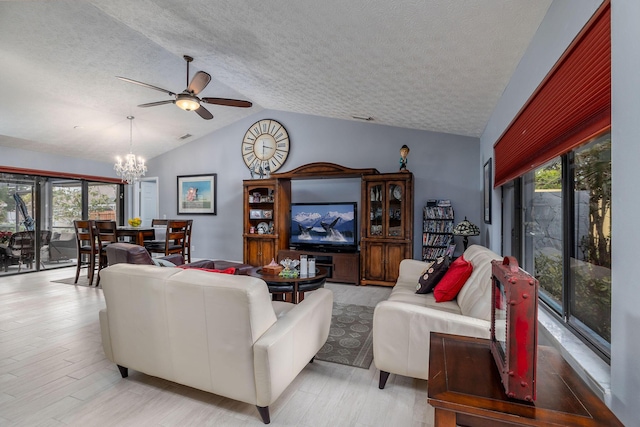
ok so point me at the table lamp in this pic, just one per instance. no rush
(466, 229)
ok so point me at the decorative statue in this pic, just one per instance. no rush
(404, 152)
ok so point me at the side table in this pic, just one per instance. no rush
(464, 388)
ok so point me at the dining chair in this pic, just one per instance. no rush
(187, 242)
(159, 226)
(174, 240)
(155, 222)
(106, 233)
(87, 247)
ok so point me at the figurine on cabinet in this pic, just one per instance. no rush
(404, 152)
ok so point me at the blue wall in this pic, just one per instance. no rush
(445, 166)
(562, 23)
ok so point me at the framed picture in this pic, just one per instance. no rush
(255, 214)
(487, 192)
(197, 194)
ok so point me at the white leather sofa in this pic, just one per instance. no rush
(215, 332)
(402, 324)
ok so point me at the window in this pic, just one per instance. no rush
(542, 227)
(44, 209)
(590, 256)
(566, 238)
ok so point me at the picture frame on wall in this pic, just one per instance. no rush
(487, 174)
(197, 194)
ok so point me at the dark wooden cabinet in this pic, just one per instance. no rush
(386, 226)
(342, 267)
(259, 250)
(386, 223)
(265, 219)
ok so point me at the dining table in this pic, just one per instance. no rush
(140, 234)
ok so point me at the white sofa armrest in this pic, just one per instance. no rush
(104, 331)
(401, 335)
(290, 344)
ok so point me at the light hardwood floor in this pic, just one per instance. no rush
(53, 372)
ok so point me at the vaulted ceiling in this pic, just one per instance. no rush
(438, 65)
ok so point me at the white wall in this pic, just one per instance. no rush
(562, 23)
(625, 315)
(444, 167)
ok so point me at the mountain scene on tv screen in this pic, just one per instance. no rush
(330, 227)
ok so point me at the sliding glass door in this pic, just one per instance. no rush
(37, 214)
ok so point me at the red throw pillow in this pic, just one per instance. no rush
(230, 270)
(453, 280)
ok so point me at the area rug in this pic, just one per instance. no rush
(350, 339)
(82, 281)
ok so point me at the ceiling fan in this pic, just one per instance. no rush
(187, 99)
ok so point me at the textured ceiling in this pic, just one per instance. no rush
(438, 65)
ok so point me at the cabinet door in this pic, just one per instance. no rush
(268, 251)
(374, 261)
(260, 251)
(394, 253)
(396, 196)
(376, 195)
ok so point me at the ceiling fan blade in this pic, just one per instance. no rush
(153, 104)
(199, 82)
(146, 85)
(228, 102)
(204, 113)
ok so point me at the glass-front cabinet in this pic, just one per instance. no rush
(387, 226)
(386, 206)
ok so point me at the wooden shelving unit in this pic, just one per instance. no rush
(386, 222)
(266, 219)
(437, 228)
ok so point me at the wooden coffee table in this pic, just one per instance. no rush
(289, 285)
(464, 388)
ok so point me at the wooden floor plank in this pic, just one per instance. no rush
(53, 372)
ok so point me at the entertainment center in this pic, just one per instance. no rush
(276, 228)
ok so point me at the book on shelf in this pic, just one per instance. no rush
(438, 212)
(429, 239)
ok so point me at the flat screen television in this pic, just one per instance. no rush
(328, 227)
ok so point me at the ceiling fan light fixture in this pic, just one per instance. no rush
(187, 102)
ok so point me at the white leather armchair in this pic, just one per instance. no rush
(214, 332)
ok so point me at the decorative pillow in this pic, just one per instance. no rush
(162, 262)
(230, 270)
(455, 278)
(431, 275)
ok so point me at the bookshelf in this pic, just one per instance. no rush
(437, 229)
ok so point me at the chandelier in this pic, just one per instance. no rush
(133, 167)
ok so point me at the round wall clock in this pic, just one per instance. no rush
(265, 146)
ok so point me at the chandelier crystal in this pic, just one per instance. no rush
(133, 167)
